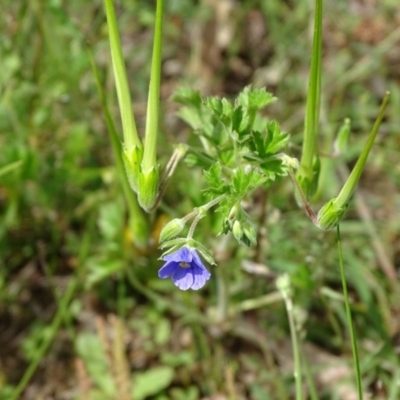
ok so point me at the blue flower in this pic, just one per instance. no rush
(185, 269)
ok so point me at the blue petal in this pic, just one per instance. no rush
(182, 255)
(196, 259)
(200, 277)
(183, 278)
(168, 269)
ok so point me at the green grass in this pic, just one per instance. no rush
(64, 221)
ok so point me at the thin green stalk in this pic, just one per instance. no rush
(284, 286)
(201, 213)
(295, 346)
(131, 138)
(349, 318)
(10, 167)
(153, 105)
(258, 302)
(198, 217)
(349, 187)
(222, 294)
(309, 378)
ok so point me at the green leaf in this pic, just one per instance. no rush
(267, 144)
(192, 112)
(151, 382)
(188, 97)
(257, 144)
(240, 180)
(222, 109)
(216, 183)
(101, 268)
(191, 116)
(225, 207)
(90, 349)
(10, 167)
(110, 220)
(162, 332)
(239, 120)
(255, 98)
(273, 167)
(275, 139)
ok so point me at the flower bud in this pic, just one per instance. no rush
(132, 158)
(172, 229)
(234, 211)
(227, 224)
(148, 189)
(249, 234)
(290, 162)
(237, 231)
(284, 285)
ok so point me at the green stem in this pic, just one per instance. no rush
(295, 346)
(258, 302)
(309, 378)
(199, 216)
(201, 213)
(10, 167)
(153, 104)
(131, 138)
(222, 294)
(349, 318)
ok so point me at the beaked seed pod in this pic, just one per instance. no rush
(330, 215)
(148, 189)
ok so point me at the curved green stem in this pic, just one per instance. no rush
(202, 213)
(284, 285)
(295, 346)
(349, 187)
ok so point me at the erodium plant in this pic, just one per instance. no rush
(239, 151)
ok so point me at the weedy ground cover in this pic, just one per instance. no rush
(83, 311)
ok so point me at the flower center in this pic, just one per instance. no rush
(184, 264)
